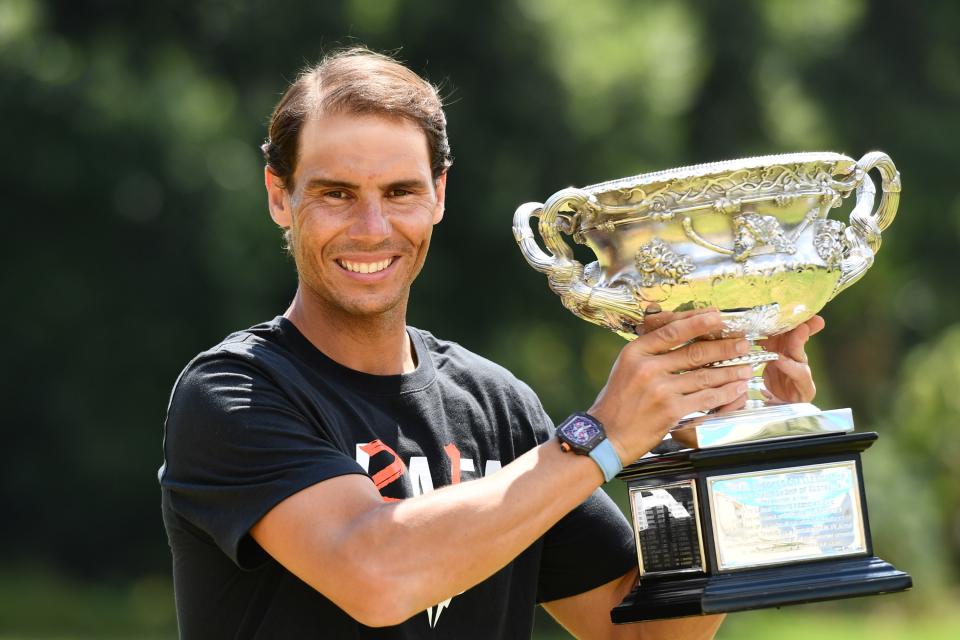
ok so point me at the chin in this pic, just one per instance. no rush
(368, 307)
(369, 311)
(355, 301)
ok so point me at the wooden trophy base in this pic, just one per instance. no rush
(695, 561)
(654, 598)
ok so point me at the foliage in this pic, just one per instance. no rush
(923, 499)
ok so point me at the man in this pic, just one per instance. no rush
(304, 456)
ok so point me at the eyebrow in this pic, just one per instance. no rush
(325, 183)
(410, 183)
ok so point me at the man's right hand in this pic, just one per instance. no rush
(660, 377)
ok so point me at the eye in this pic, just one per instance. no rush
(336, 194)
(398, 193)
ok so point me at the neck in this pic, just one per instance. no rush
(376, 344)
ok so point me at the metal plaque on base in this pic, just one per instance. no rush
(764, 506)
(776, 523)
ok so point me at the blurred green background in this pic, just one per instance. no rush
(136, 234)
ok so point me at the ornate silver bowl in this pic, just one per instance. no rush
(746, 525)
(751, 237)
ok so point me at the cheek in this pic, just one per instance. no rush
(420, 240)
(303, 246)
(416, 228)
(312, 231)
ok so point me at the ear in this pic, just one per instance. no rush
(440, 186)
(277, 199)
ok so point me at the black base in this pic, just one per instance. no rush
(674, 597)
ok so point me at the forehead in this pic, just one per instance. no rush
(362, 146)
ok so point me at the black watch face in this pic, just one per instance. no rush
(582, 432)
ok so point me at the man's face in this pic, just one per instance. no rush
(361, 212)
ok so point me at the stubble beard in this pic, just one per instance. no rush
(382, 307)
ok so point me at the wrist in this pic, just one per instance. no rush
(583, 434)
(605, 419)
(607, 458)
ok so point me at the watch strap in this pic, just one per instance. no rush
(607, 459)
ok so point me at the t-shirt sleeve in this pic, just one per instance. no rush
(589, 547)
(235, 446)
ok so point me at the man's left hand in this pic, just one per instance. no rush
(788, 378)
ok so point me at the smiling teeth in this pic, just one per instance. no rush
(365, 267)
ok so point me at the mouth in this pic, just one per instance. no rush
(365, 267)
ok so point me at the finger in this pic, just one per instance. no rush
(789, 343)
(799, 376)
(710, 399)
(654, 317)
(793, 347)
(704, 378)
(677, 333)
(794, 342)
(796, 348)
(816, 325)
(701, 352)
(739, 403)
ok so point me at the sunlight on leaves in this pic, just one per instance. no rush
(614, 52)
(811, 24)
(19, 20)
(793, 118)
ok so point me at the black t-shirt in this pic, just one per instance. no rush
(265, 414)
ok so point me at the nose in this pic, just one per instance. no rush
(370, 222)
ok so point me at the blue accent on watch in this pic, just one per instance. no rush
(606, 457)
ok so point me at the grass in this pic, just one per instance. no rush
(908, 616)
(807, 623)
(37, 605)
(41, 604)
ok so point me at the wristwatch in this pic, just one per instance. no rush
(583, 434)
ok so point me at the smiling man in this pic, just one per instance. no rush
(334, 473)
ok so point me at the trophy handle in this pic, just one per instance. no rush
(866, 224)
(612, 307)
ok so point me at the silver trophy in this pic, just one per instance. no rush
(767, 492)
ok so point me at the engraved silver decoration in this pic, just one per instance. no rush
(657, 264)
(829, 241)
(755, 232)
(751, 237)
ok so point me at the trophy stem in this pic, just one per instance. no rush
(757, 357)
(757, 395)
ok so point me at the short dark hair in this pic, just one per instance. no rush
(357, 81)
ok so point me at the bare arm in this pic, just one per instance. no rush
(383, 562)
(587, 615)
